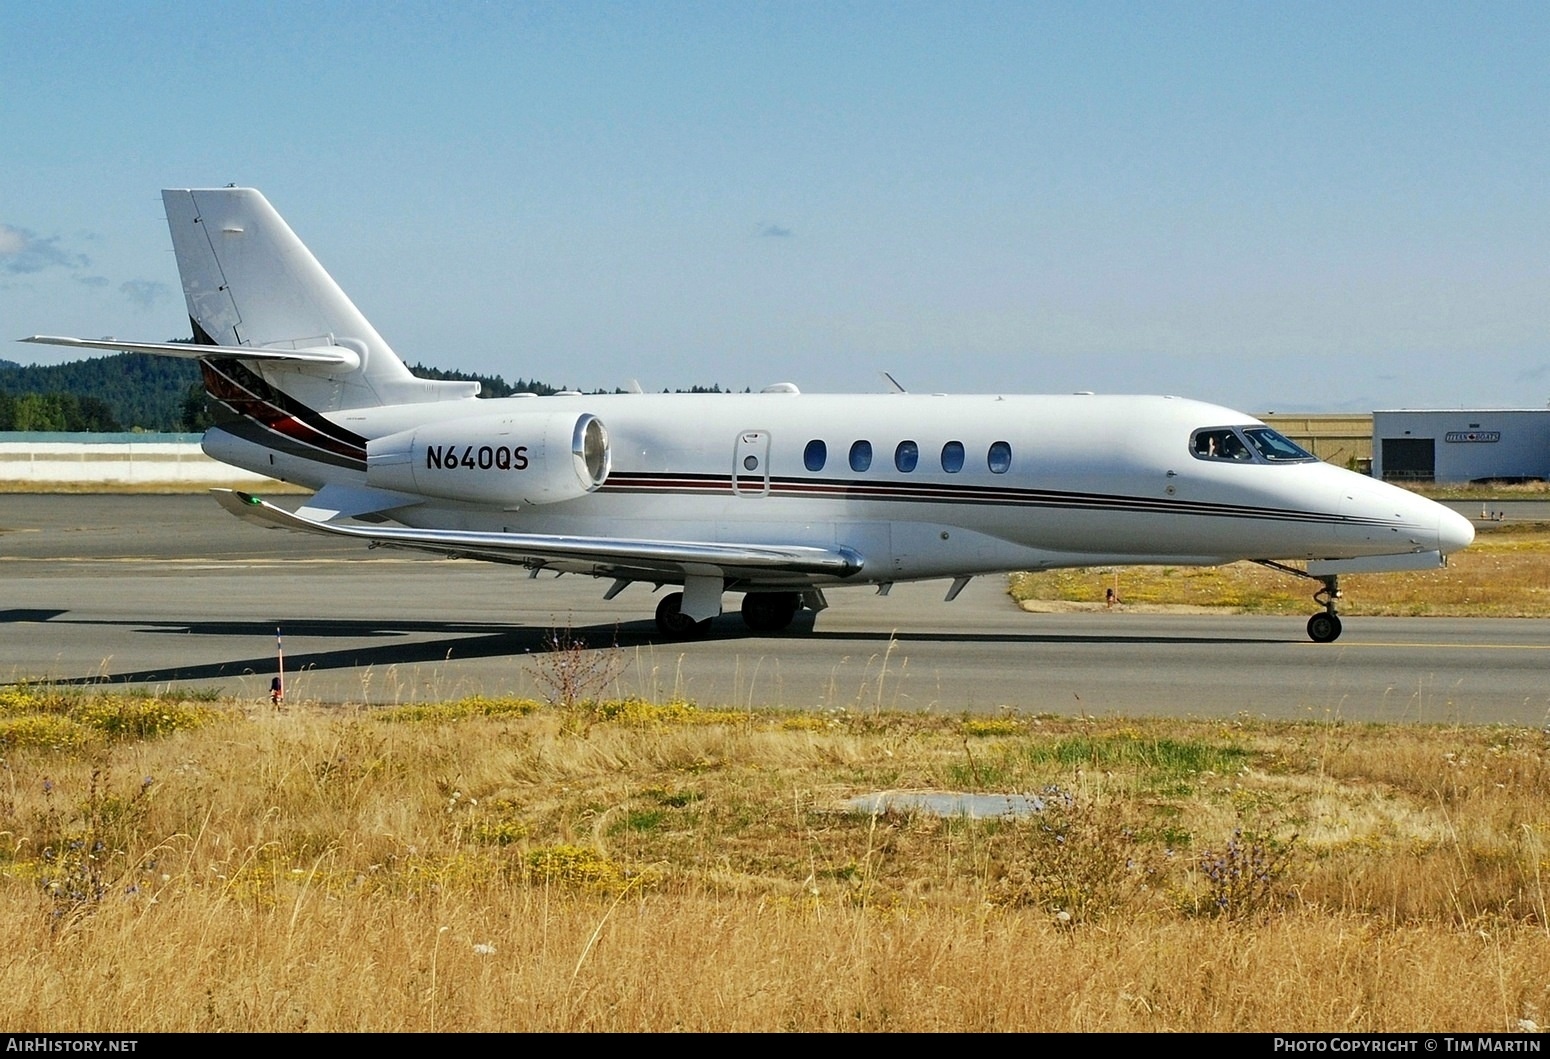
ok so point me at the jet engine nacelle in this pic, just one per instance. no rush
(527, 458)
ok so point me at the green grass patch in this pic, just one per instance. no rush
(643, 820)
(1164, 758)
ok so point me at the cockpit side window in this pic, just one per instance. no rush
(1274, 447)
(1220, 443)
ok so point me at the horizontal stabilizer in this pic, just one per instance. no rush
(598, 555)
(339, 355)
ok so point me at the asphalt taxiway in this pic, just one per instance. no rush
(170, 590)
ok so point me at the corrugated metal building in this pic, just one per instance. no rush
(1461, 445)
(1344, 439)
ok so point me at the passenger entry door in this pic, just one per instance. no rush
(751, 464)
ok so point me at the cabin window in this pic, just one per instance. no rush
(906, 456)
(815, 455)
(860, 456)
(1275, 447)
(952, 457)
(1000, 457)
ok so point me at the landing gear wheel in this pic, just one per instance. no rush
(674, 623)
(1324, 628)
(770, 611)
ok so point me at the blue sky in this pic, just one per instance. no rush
(1273, 206)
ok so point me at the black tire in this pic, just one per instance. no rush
(674, 623)
(1324, 628)
(770, 611)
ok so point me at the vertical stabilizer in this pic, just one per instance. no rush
(250, 282)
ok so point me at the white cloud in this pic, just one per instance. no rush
(23, 252)
(145, 293)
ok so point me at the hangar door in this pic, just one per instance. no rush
(1410, 459)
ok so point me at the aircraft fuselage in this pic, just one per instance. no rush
(940, 485)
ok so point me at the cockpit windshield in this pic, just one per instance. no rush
(1246, 445)
(1275, 447)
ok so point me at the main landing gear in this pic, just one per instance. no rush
(674, 623)
(1323, 627)
(762, 612)
(770, 611)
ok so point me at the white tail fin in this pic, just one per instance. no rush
(250, 282)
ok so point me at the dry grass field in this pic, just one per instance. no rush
(509, 865)
(1505, 573)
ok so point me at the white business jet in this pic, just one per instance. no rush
(776, 495)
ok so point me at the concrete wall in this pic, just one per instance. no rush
(117, 459)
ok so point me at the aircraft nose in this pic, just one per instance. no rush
(1454, 531)
(1388, 520)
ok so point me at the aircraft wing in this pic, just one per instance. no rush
(191, 351)
(605, 556)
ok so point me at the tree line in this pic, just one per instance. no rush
(55, 411)
(126, 391)
(137, 391)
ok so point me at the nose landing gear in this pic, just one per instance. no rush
(1324, 627)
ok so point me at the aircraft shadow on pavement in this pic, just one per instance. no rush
(464, 640)
(1040, 638)
(8, 617)
(451, 641)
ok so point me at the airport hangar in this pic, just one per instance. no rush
(1461, 445)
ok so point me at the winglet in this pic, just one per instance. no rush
(250, 508)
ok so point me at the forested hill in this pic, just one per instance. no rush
(136, 391)
(129, 391)
(125, 391)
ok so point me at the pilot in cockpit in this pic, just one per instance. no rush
(1221, 445)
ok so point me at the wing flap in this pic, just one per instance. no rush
(675, 559)
(353, 501)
